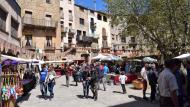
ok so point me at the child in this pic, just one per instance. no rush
(122, 79)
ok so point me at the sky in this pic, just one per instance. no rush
(100, 4)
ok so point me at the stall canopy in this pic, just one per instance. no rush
(149, 59)
(183, 56)
(18, 60)
(100, 56)
(111, 57)
(14, 60)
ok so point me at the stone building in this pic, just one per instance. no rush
(41, 26)
(10, 27)
(68, 31)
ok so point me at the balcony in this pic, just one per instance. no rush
(84, 39)
(132, 43)
(71, 32)
(29, 45)
(70, 17)
(2, 25)
(49, 46)
(39, 22)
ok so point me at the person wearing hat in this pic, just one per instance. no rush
(167, 84)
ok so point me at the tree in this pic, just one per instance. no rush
(163, 22)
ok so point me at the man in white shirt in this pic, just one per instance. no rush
(122, 79)
(144, 79)
(167, 84)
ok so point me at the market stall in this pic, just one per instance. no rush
(12, 87)
(14, 84)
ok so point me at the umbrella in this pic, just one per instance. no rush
(111, 58)
(99, 57)
(183, 56)
(149, 59)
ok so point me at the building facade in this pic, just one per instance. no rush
(41, 25)
(68, 31)
(103, 31)
(10, 26)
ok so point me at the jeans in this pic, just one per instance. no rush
(50, 87)
(123, 88)
(67, 80)
(104, 81)
(43, 88)
(85, 88)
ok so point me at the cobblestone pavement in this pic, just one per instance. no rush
(72, 97)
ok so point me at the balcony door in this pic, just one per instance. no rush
(48, 20)
(48, 41)
(28, 39)
(28, 17)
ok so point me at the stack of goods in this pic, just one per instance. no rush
(137, 84)
(12, 86)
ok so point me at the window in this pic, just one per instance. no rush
(84, 33)
(28, 39)
(69, 1)
(123, 48)
(49, 41)
(62, 23)
(99, 17)
(123, 39)
(132, 39)
(81, 21)
(3, 16)
(79, 32)
(105, 19)
(48, 1)
(70, 15)
(81, 9)
(70, 25)
(28, 17)
(61, 12)
(48, 20)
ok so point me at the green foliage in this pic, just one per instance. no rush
(164, 22)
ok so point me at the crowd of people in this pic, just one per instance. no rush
(169, 83)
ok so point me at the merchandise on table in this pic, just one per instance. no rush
(12, 87)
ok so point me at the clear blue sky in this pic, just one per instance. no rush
(100, 4)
